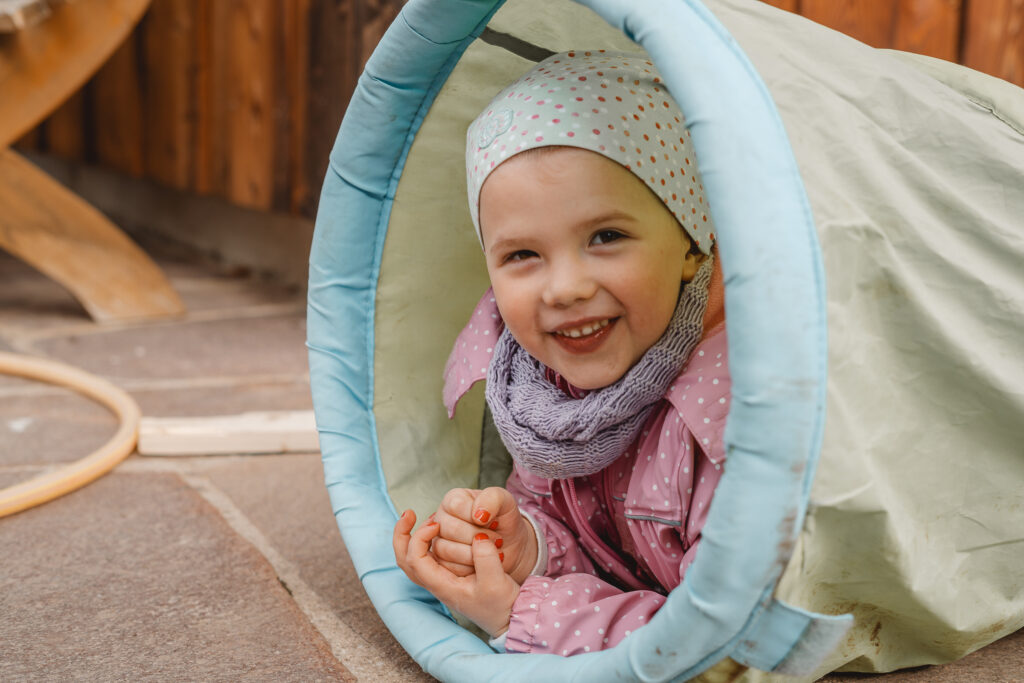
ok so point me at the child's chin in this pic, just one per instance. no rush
(592, 381)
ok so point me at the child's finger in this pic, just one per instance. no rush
(449, 551)
(418, 546)
(419, 540)
(422, 563)
(457, 569)
(400, 536)
(491, 504)
(487, 560)
(459, 504)
(455, 528)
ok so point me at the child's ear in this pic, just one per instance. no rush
(692, 262)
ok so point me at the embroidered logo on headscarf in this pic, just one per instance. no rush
(493, 127)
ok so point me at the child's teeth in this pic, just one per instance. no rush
(585, 330)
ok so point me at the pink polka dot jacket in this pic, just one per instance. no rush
(619, 540)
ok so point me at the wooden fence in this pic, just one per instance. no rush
(242, 98)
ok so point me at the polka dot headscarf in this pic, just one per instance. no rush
(611, 103)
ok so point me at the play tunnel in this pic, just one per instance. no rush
(868, 206)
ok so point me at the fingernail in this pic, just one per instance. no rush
(498, 542)
(480, 537)
(501, 556)
(482, 516)
(432, 524)
(493, 525)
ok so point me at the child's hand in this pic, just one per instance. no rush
(464, 513)
(485, 597)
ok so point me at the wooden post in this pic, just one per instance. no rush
(117, 125)
(293, 80)
(994, 38)
(168, 32)
(929, 27)
(788, 5)
(64, 131)
(251, 103)
(869, 21)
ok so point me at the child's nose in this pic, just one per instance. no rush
(569, 281)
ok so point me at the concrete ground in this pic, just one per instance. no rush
(215, 568)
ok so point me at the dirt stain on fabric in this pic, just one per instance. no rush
(875, 640)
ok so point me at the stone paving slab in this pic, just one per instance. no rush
(1000, 662)
(225, 398)
(16, 475)
(228, 347)
(202, 291)
(30, 301)
(285, 497)
(136, 577)
(57, 426)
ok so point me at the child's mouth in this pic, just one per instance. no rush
(585, 338)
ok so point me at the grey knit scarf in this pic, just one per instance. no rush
(555, 436)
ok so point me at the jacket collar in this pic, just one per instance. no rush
(700, 394)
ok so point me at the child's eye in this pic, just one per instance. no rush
(606, 237)
(521, 255)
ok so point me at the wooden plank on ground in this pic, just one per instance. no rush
(247, 433)
(59, 234)
(994, 38)
(41, 65)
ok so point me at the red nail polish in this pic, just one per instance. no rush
(482, 516)
(501, 556)
(480, 537)
(498, 542)
(493, 525)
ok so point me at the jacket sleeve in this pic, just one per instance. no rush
(569, 609)
(564, 554)
(576, 613)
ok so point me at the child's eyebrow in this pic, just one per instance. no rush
(606, 217)
(516, 243)
(507, 243)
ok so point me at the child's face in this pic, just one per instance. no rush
(586, 263)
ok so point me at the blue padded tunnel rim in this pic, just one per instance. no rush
(347, 440)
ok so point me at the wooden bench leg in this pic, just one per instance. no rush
(62, 236)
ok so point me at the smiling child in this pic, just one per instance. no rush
(602, 341)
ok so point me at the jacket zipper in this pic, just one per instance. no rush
(588, 536)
